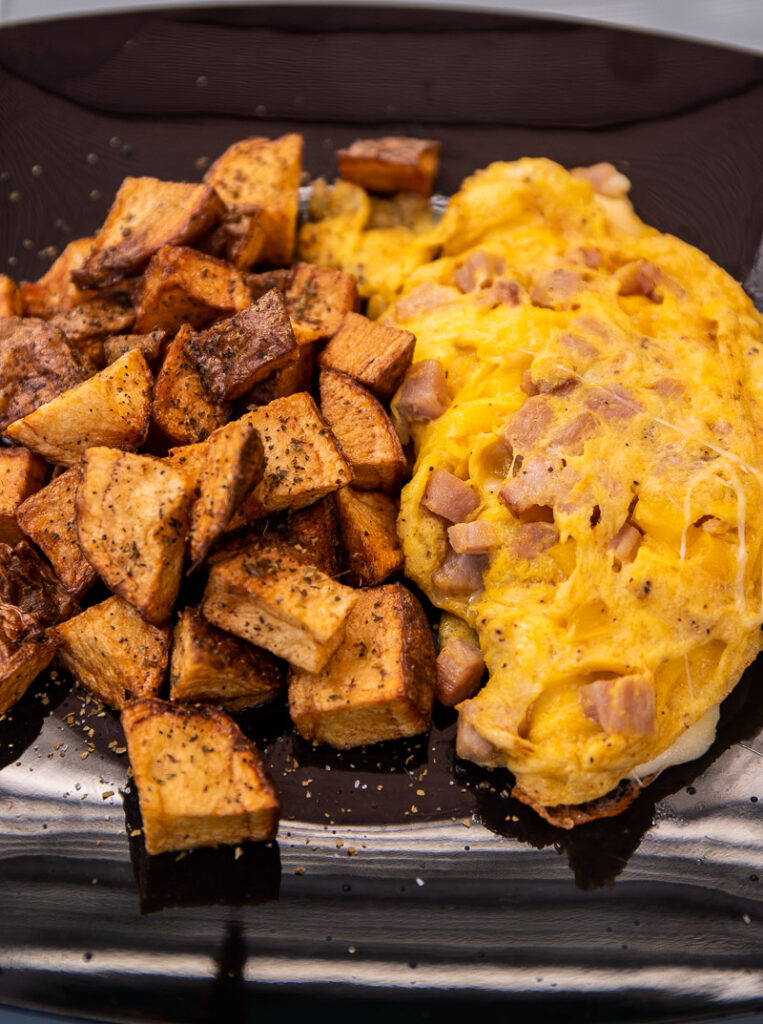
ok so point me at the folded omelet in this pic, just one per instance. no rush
(605, 394)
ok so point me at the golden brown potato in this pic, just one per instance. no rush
(314, 533)
(379, 684)
(10, 297)
(146, 214)
(258, 181)
(150, 345)
(294, 377)
(86, 325)
(200, 781)
(374, 354)
(55, 292)
(132, 519)
(260, 283)
(20, 664)
(391, 164)
(112, 408)
(182, 409)
(233, 355)
(212, 667)
(189, 460)
(302, 459)
(49, 519)
(181, 285)
(114, 653)
(234, 463)
(318, 299)
(368, 523)
(36, 364)
(21, 474)
(364, 432)
(239, 237)
(267, 594)
(31, 595)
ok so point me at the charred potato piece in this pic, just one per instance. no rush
(294, 377)
(112, 408)
(260, 283)
(146, 214)
(49, 519)
(200, 781)
(368, 524)
(36, 365)
(318, 299)
(266, 594)
(183, 410)
(31, 595)
(86, 325)
(21, 474)
(55, 292)
(258, 180)
(20, 664)
(10, 297)
(132, 519)
(149, 344)
(364, 432)
(235, 354)
(391, 164)
(181, 286)
(375, 354)
(314, 533)
(379, 684)
(210, 666)
(114, 653)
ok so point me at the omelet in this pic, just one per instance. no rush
(604, 407)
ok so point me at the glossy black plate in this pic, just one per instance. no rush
(402, 882)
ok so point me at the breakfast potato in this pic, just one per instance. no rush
(112, 408)
(55, 292)
(132, 519)
(49, 519)
(302, 459)
(233, 464)
(258, 180)
(391, 164)
(10, 297)
(181, 285)
(150, 345)
(36, 365)
(233, 355)
(376, 355)
(87, 325)
(318, 299)
(146, 214)
(200, 781)
(31, 595)
(364, 432)
(239, 237)
(20, 664)
(210, 666)
(21, 474)
(314, 533)
(294, 377)
(379, 683)
(263, 281)
(368, 524)
(114, 653)
(266, 594)
(182, 409)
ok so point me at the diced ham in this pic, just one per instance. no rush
(460, 667)
(449, 497)
(529, 423)
(426, 297)
(612, 403)
(478, 270)
(542, 480)
(459, 575)
(713, 525)
(605, 178)
(500, 293)
(573, 435)
(668, 387)
(475, 538)
(423, 394)
(469, 743)
(586, 322)
(625, 543)
(556, 289)
(640, 278)
(578, 346)
(527, 384)
(532, 539)
(625, 704)
(588, 255)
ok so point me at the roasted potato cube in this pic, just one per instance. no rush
(239, 237)
(314, 532)
(200, 781)
(294, 377)
(258, 179)
(234, 463)
(55, 292)
(375, 354)
(269, 596)
(189, 460)
(368, 524)
(86, 325)
(114, 653)
(146, 214)
(31, 595)
(318, 299)
(391, 164)
(132, 519)
(379, 684)
(183, 410)
(181, 286)
(302, 460)
(210, 666)
(258, 284)
(10, 297)
(21, 474)
(20, 664)
(36, 364)
(49, 519)
(364, 432)
(149, 344)
(112, 408)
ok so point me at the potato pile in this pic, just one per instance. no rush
(156, 397)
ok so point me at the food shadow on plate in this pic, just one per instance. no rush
(599, 850)
(244, 875)
(22, 723)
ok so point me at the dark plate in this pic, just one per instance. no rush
(399, 877)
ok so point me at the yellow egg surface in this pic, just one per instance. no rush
(643, 404)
